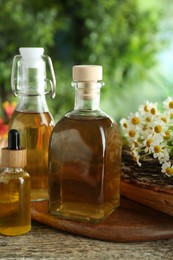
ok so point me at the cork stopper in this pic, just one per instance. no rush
(87, 72)
(87, 77)
(13, 156)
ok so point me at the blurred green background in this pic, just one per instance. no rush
(131, 39)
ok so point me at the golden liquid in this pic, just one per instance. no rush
(84, 168)
(35, 130)
(15, 212)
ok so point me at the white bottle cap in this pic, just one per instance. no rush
(31, 56)
(87, 72)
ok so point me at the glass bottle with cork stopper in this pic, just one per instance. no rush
(85, 155)
(15, 188)
(32, 117)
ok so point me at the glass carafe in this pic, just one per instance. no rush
(85, 155)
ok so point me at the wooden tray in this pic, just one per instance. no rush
(131, 222)
(158, 200)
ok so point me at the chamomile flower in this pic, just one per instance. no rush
(168, 104)
(147, 143)
(153, 109)
(167, 168)
(165, 157)
(149, 108)
(159, 127)
(134, 119)
(124, 123)
(168, 135)
(130, 130)
(145, 108)
(165, 118)
(132, 134)
(150, 131)
(157, 150)
(147, 119)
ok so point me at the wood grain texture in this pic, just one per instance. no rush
(43, 242)
(13, 158)
(129, 223)
(155, 199)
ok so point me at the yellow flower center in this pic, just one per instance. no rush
(145, 108)
(153, 111)
(148, 119)
(135, 120)
(171, 116)
(158, 129)
(132, 133)
(167, 134)
(125, 125)
(164, 119)
(157, 149)
(171, 104)
(148, 142)
(169, 171)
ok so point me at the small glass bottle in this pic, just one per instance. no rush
(32, 117)
(15, 188)
(85, 155)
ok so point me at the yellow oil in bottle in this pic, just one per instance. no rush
(15, 214)
(84, 168)
(35, 130)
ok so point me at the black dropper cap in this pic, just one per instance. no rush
(13, 140)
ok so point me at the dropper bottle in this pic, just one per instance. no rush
(15, 188)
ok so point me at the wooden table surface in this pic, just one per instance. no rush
(43, 242)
